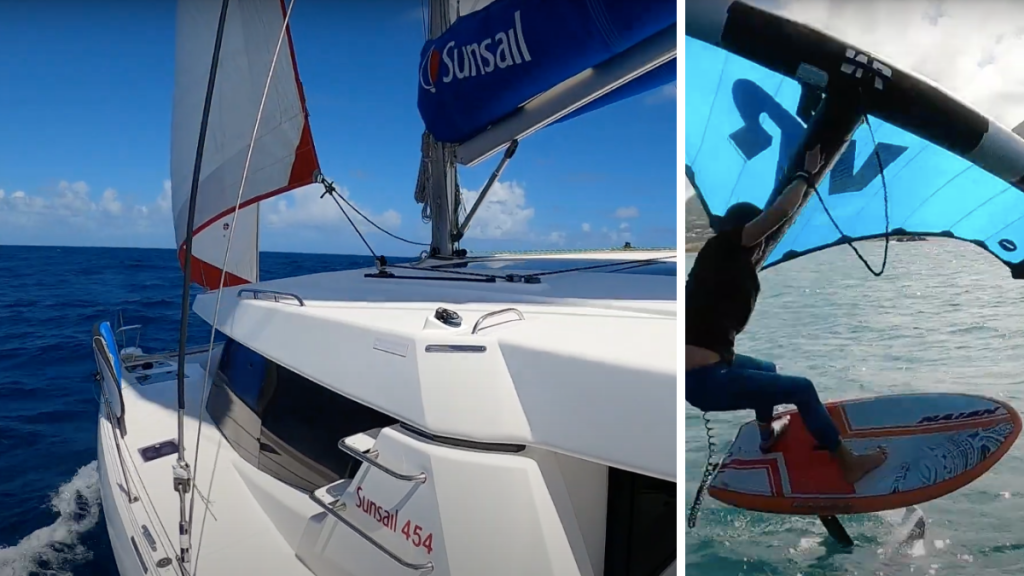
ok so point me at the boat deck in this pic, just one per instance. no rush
(231, 534)
(582, 363)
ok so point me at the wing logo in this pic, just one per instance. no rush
(752, 139)
(860, 63)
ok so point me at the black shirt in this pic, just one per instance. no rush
(721, 291)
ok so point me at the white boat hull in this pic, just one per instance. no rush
(115, 510)
(537, 497)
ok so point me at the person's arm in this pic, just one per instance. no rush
(785, 204)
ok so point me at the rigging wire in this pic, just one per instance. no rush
(331, 191)
(227, 250)
(425, 13)
(885, 198)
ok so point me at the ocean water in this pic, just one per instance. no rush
(945, 316)
(51, 520)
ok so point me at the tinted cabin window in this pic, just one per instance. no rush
(245, 372)
(302, 423)
(641, 533)
(285, 424)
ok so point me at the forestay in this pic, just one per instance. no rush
(283, 157)
(949, 170)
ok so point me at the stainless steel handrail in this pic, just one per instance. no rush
(169, 354)
(344, 447)
(425, 567)
(476, 326)
(277, 294)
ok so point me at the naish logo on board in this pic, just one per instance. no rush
(751, 140)
(474, 59)
(955, 416)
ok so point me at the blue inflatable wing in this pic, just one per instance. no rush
(742, 127)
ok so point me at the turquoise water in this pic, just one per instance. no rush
(945, 316)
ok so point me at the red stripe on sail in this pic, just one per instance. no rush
(242, 206)
(207, 275)
(306, 160)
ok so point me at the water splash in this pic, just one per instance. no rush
(53, 550)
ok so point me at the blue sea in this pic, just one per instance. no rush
(945, 316)
(51, 520)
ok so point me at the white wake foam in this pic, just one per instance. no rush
(54, 549)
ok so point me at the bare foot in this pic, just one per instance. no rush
(856, 466)
(778, 426)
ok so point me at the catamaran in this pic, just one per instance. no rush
(461, 414)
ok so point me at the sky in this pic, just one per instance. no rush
(971, 48)
(86, 108)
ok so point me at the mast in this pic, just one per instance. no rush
(442, 186)
(182, 474)
(257, 252)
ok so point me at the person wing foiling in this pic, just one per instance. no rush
(721, 293)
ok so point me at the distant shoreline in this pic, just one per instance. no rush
(694, 246)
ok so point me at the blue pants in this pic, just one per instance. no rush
(752, 384)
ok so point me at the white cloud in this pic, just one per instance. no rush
(503, 213)
(73, 198)
(163, 201)
(70, 214)
(973, 49)
(585, 227)
(617, 236)
(70, 203)
(305, 207)
(19, 206)
(556, 238)
(624, 226)
(110, 204)
(627, 212)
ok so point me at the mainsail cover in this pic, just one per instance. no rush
(499, 54)
(283, 157)
(931, 191)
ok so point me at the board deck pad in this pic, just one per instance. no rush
(937, 443)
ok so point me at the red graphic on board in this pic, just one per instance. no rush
(811, 471)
